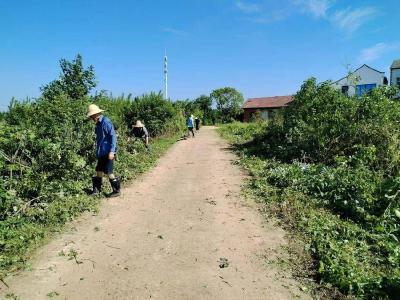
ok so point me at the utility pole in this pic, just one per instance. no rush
(166, 75)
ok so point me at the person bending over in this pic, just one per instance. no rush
(140, 131)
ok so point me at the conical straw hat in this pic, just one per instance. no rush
(93, 109)
(138, 124)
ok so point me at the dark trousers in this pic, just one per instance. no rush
(105, 165)
(190, 130)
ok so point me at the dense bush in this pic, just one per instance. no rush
(335, 161)
(158, 115)
(322, 125)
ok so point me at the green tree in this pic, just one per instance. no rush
(229, 102)
(75, 81)
(189, 107)
(205, 104)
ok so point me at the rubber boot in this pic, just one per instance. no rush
(97, 183)
(116, 186)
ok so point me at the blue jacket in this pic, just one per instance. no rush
(106, 138)
(189, 122)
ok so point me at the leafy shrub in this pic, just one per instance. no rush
(350, 192)
(321, 124)
(159, 116)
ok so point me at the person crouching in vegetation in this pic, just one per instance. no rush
(189, 123)
(106, 147)
(140, 131)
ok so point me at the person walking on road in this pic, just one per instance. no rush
(190, 125)
(106, 148)
(197, 123)
(140, 131)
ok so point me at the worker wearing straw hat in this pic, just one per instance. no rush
(140, 131)
(106, 147)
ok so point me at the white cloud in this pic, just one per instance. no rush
(174, 31)
(352, 19)
(376, 51)
(347, 19)
(247, 7)
(318, 8)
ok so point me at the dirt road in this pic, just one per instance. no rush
(164, 237)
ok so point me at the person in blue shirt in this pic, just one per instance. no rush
(106, 147)
(190, 125)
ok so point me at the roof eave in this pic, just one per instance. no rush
(357, 70)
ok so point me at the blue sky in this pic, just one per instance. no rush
(260, 47)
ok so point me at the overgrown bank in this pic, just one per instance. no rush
(47, 159)
(329, 166)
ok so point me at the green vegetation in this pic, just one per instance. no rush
(329, 166)
(74, 81)
(47, 158)
(52, 294)
(204, 103)
(229, 103)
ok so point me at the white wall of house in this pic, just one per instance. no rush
(365, 75)
(395, 79)
(394, 76)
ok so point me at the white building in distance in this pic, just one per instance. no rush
(361, 81)
(395, 74)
